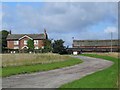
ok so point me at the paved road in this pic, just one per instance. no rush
(55, 78)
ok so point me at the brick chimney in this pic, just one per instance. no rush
(10, 32)
(45, 33)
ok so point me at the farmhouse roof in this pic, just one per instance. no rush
(33, 36)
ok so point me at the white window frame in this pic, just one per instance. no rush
(25, 42)
(42, 47)
(36, 47)
(35, 42)
(16, 42)
(16, 47)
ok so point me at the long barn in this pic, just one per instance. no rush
(95, 46)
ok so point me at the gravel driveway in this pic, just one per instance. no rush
(55, 78)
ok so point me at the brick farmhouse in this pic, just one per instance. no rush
(19, 41)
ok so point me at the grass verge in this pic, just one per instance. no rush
(13, 70)
(107, 78)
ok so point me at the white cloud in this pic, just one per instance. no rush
(111, 29)
(62, 20)
(62, 17)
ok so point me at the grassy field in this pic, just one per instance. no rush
(111, 54)
(107, 78)
(27, 63)
(29, 59)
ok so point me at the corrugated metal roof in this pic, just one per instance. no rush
(95, 42)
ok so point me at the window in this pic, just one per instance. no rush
(16, 42)
(16, 47)
(42, 47)
(36, 42)
(25, 42)
(36, 48)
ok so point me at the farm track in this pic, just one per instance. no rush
(55, 78)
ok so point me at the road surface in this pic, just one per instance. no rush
(56, 78)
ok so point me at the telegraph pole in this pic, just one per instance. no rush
(111, 41)
(72, 43)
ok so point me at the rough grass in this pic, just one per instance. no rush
(35, 62)
(107, 78)
(28, 59)
(111, 54)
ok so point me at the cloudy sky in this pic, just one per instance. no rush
(81, 20)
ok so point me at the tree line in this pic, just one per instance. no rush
(57, 46)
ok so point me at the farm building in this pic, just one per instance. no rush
(94, 46)
(19, 41)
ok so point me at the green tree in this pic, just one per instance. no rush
(58, 46)
(47, 45)
(3, 41)
(30, 44)
(3, 36)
